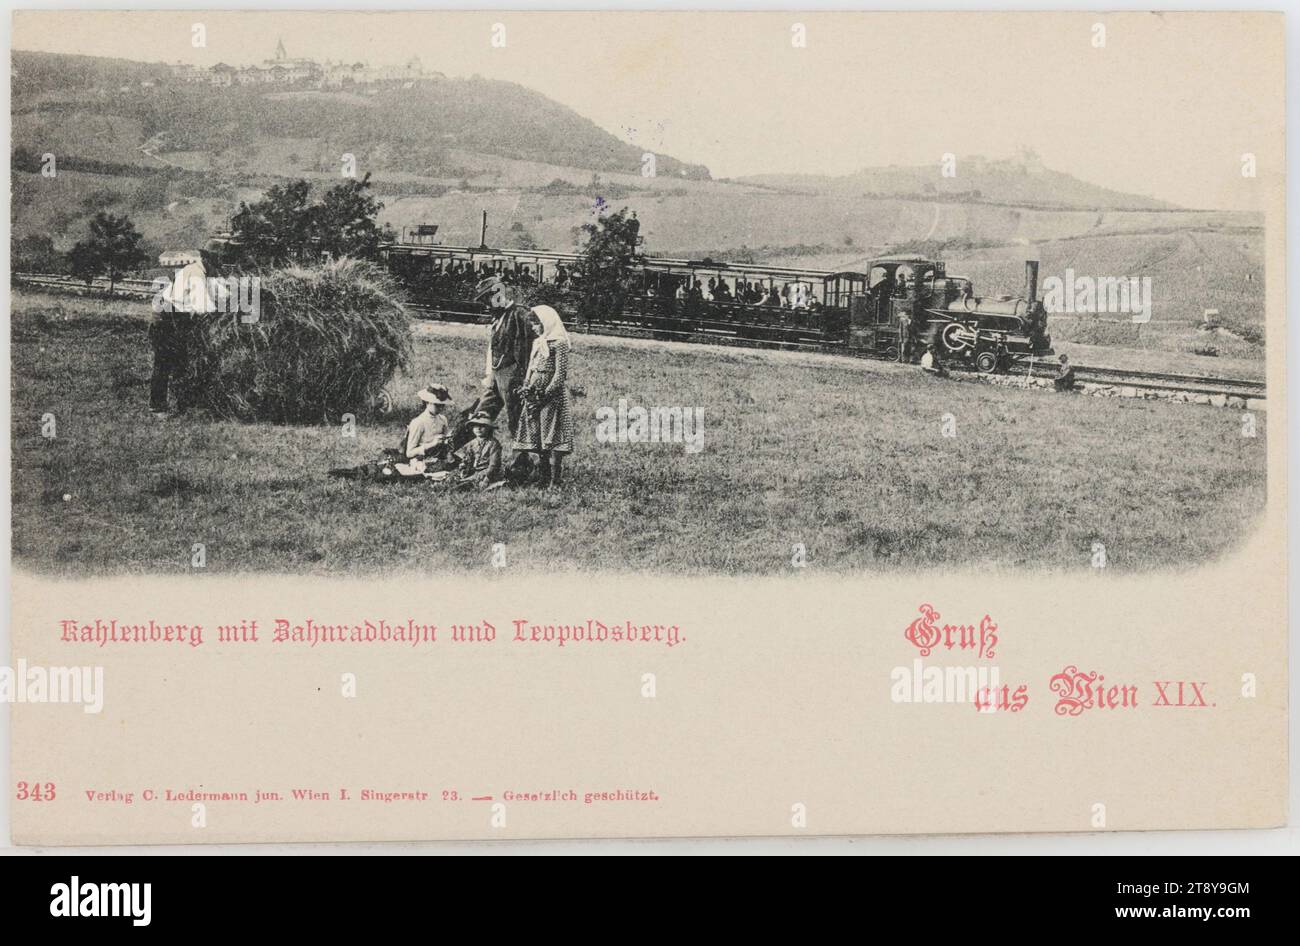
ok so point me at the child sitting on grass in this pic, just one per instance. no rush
(481, 457)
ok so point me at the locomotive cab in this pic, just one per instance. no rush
(896, 289)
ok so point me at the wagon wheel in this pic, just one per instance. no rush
(383, 402)
(987, 361)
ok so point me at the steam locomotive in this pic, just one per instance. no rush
(912, 301)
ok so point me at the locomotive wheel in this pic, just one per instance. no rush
(986, 362)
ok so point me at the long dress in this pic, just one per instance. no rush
(548, 425)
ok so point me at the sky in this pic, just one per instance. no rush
(1165, 108)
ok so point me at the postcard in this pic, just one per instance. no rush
(516, 425)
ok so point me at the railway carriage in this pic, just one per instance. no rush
(709, 298)
(441, 278)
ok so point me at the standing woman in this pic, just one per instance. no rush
(546, 421)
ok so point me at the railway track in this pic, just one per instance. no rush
(126, 288)
(1119, 378)
(1158, 381)
(1160, 384)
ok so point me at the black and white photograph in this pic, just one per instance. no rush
(299, 300)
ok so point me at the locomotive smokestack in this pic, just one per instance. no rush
(1031, 281)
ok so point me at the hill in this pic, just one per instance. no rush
(408, 126)
(1021, 181)
(35, 73)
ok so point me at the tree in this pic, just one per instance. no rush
(343, 222)
(112, 248)
(36, 254)
(603, 261)
(285, 227)
(277, 228)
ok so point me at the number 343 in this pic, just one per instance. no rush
(36, 791)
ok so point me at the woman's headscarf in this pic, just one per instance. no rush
(553, 330)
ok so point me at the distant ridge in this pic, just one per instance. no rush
(406, 125)
(1021, 180)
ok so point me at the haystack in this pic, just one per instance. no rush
(326, 341)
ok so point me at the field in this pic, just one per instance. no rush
(845, 457)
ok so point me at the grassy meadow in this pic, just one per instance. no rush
(843, 456)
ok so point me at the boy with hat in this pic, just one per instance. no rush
(481, 457)
(429, 429)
